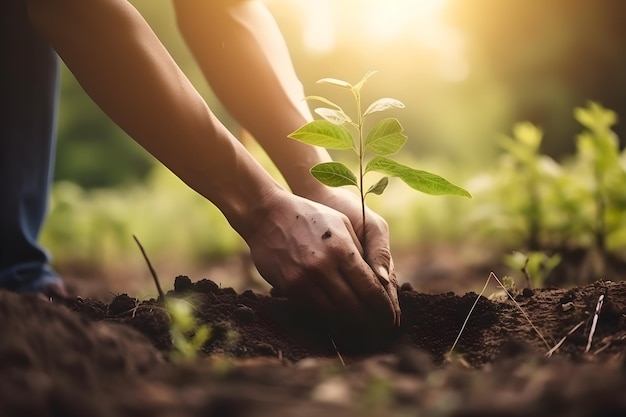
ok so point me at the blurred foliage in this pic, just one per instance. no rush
(172, 221)
(465, 72)
(529, 200)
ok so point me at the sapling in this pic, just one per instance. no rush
(188, 336)
(598, 146)
(337, 130)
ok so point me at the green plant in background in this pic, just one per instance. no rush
(536, 266)
(188, 336)
(598, 152)
(384, 139)
(533, 174)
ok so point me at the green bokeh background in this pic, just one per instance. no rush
(528, 60)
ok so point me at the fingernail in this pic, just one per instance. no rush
(383, 274)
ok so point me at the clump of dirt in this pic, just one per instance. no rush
(266, 357)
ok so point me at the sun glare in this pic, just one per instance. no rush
(416, 23)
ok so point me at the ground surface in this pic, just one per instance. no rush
(83, 357)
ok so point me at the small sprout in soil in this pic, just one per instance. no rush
(508, 287)
(188, 336)
(337, 130)
(536, 266)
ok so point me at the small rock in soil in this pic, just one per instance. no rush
(206, 286)
(243, 314)
(121, 304)
(182, 283)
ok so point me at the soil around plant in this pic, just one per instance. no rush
(84, 357)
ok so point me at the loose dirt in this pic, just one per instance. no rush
(84, 357)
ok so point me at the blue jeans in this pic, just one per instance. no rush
(29, 87)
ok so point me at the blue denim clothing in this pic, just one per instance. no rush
(29, 86)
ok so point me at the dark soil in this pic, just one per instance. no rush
(82, 357)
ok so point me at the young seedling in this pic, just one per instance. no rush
(337, 130)
(188, 336)
(536, 266)
(598, 147)
(528, 169)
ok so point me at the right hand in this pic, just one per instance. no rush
(311, 254)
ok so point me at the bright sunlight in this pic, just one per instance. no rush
(415, 24)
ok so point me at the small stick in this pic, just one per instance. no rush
(558, 345)
(529, 282)
(338, 354)
(458, 336)
(152, 271)
(594, 322)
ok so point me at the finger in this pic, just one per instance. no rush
(377, 251)
(392, 293)
(366, 286)
(378, 256)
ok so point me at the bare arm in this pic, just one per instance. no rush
(245, 60)
(243, 55)
(126, 70)
(122, 65)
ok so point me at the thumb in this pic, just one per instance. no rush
(378, 256)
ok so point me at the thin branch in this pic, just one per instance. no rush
(558, 345)
(152, 271)
(468, 316)
(595, 322)
(338, 354)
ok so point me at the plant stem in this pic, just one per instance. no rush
(361, 152)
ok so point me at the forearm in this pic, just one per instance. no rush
(245, 59)
(121, 64)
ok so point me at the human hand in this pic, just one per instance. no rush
(310, 253)
(377, 251)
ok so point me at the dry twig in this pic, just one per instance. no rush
(152, 271)
(558, 345)
(338, 354)
(594, 323)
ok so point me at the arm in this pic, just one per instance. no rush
(245, 60)
(121, 64)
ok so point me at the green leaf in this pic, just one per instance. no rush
(528, 134)
(357, 87)
(383, 104)
(423, 181)
(334, 174)
(595, 117)
(324, 100)
(334, 81)
(336, 117)
(182, 314)
(379, 187)
(324, 133)
(385, 138)
(202, 335)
